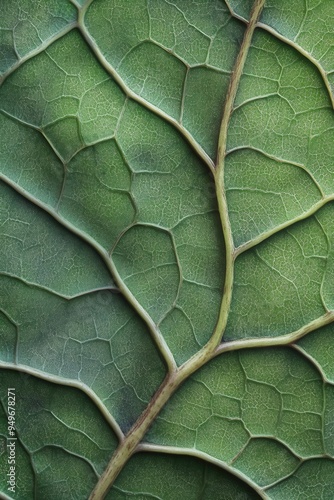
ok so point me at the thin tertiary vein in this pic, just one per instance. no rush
(279, 160)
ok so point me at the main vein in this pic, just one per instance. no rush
(219, 174)
(174, 379)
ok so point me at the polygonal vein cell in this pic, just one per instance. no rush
(179, 476)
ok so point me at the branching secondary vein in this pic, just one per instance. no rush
(132, 95)
(267, 234)
(289, 338)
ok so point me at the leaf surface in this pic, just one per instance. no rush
(166, 231)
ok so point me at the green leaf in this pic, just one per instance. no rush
(166, 262)
(183, 476)
(59, 429)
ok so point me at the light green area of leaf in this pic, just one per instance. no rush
(259, 411)
(97, 193)
(319, 345)
(26, 158)
(328, 421)
(284, 110)
(282, 127)
(95, 339)
(302, 483)
(266, 461)
(78, 106)
(284, 283)
(150, 268)
(263, 193)
(165, 476)
(58, 429)
(168, 52)
(306, 24)
(299, 22)
(23, 29)
(108, 122)
(38, 250)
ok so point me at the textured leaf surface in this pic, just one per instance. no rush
(183, 476)
(166, 236)
(59, 430)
